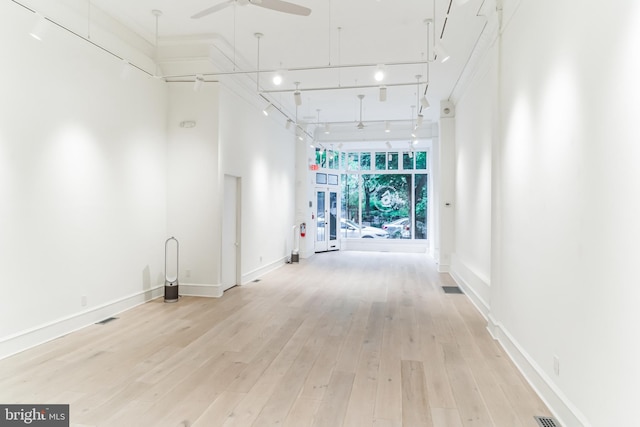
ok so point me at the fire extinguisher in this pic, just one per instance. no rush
(303, 229)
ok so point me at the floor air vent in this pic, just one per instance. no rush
(256, 281)
(546, 422)
(452, 290)
(107, 320)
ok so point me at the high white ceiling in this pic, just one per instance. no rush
(336, 35)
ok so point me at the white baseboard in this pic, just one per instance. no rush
(200, 290)
(475, 286)
(563, 410)
(27, 339)
(258, 272)
(443, 268)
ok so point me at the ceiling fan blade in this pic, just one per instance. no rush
(212, 9)
(283, 6)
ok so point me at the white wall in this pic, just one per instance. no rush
(82, 183)
(475, 132)
(261, 152)
(194, 196)
(567, 208)
(444, 204)
(305, 193)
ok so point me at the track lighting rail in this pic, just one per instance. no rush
(295, 69)
(311, 89)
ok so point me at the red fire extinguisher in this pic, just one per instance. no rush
(303, 229)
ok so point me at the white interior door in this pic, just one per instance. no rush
(230, 233)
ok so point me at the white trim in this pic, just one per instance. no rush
(385, 245)
(563, 410)
(32, 337)
(258, 272)
(200, 290)
(474, 285)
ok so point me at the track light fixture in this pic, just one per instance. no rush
(288, 125)
(39, 27)
(379, 74)
(327, 128)
(267, 109)
(387, 127)
(277, 79)
(420, 120)
(441, 53)
(424, 102)
(383, 93)
(198, 82)
(388, 144)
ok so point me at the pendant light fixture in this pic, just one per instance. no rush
(413, 128)
(157, 13)
(296, 95)
(360, 124)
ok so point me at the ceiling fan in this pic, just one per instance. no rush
(277, 5)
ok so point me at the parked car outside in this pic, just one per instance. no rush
(400, 228)
(351, 230)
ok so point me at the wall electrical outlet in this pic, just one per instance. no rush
(83, 300)
(556, 365)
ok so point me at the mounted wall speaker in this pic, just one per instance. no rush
(447, 109)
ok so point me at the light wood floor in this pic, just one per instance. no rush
(342, 339)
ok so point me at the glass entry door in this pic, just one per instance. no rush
(327, 220)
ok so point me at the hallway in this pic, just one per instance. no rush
(341, 339)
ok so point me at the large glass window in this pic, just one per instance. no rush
(421, 206)
(421, 160)
(384, 194)
(392, 164)
(386, 199)
(350, 197)
(365, 161)
(354, 161)
(407, 160)
(333, 159)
